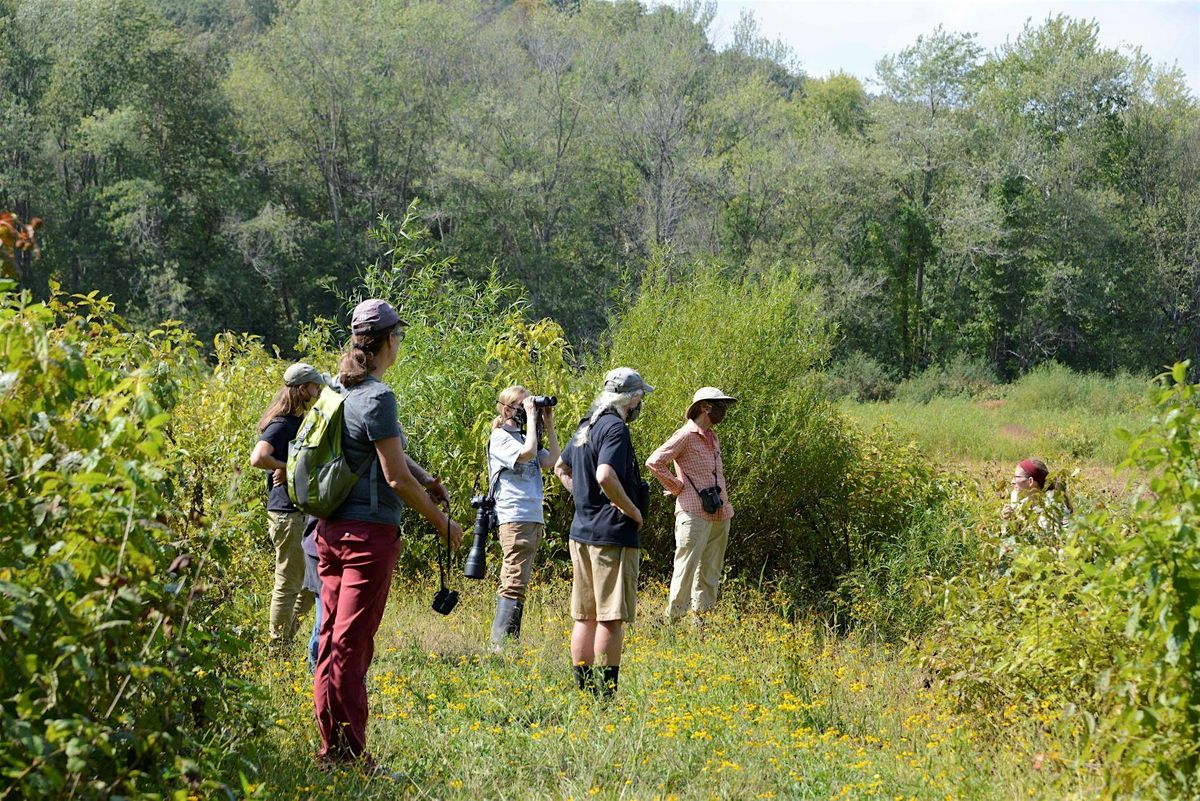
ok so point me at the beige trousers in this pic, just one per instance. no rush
(519, 542)
(289, 601)
(699, 560)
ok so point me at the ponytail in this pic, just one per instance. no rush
(358, 361)
(1058, 485)
(506, 398)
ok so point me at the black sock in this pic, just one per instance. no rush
(585, 678)
(608, 685)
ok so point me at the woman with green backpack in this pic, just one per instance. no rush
(357, 544)
(276, 430)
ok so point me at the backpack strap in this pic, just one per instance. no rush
(374, 481)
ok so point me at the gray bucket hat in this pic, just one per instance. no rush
(625, 379)
(302, 373)
(373, 315)
(706, 394)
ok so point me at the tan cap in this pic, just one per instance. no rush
(706, 394)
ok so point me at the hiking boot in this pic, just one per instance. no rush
(507, 622)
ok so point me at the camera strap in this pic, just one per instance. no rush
(444, 549)
(488, 459)
(693, 483)
(716, 483)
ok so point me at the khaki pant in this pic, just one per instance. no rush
(604, 582)
(519, 542)
(289, 601)
(699, 560)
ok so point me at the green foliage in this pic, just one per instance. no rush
(219, 162)
(961, 377)
(121, 678)
(860, 377)
(1053, 412)
(1156, 687)
(1097, 620)
(761, 342)
(814, 500)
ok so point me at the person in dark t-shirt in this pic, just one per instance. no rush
(276, 429)
(358, 544)
(600, 470)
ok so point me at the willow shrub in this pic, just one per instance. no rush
(117, 677)
(815, 500)
(465, 341)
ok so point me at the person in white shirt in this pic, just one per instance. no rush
(515, 463)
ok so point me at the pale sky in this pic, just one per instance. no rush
(853, 35)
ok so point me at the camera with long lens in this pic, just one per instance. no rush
(485, 522)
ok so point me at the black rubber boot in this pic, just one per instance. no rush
(514, 622)
(503, 625)
(608, 684)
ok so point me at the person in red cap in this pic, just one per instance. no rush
(285, 524)
(358, 545)
(702, 508)
(1037, 496)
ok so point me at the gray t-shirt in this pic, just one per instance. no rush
(369, 415)
(519, 490)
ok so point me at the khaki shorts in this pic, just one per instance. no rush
(604, 587)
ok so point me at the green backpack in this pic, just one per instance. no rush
(318, 476)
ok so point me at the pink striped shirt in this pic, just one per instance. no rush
(696, 454)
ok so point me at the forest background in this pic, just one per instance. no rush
(220, 163)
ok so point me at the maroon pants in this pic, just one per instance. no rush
(356, 561)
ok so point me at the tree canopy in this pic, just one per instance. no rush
(221, 163)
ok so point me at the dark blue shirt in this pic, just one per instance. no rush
(279, 433)
(597, 521)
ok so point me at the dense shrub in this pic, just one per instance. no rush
(862, 378)
(960, 377)
(814, 499)
(1054, 386)
(120, 676)
(1098, 619)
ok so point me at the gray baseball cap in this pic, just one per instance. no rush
(301, 373)
(373, 315)
(625, 379)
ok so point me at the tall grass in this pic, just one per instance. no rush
(757, 708)
(1054, 413)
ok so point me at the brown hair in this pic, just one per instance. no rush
(288, 402)
(506, 398)
(1058, 485)
(359, 359)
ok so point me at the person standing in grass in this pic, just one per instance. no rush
(358, 545)
(276, 430)
(515, 464)
(702, 508)
(600, 470)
